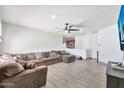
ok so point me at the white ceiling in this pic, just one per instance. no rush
(39, 17)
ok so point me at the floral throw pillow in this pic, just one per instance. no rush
(18, 59)
(53, 54)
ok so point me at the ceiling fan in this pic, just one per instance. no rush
(70, 27)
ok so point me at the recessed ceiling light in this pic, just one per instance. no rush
(81, 30)
(53, 16)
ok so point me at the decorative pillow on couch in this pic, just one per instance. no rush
(58, 52)
(7, 58)
(45, 54)
(11, 69)
(29, 65)
(24, 56)
(64, 53)
(18, 59)
(31, 56)
(39, 56)
(53, 54)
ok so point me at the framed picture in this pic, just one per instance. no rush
(69, 42)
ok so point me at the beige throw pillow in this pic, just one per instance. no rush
(6, 58)
(31, 56)
(38, 56)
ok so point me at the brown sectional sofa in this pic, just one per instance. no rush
(40, 58)
(45, 58)
(68, 58)
(36, 77)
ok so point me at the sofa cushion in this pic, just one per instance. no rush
(12, 69)
(31, 56)
(48, 54)
(58, 52)
(44, 54)
(24, 56)
(38, 56)
(34, 61)
(49, 59)
(64, 53)
(44, 60)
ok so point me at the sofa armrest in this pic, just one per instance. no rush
(29, 78)
(3, 65)
(2, 68)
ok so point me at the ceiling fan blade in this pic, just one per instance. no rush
(81, 25)
(66, 28)
(71, 26)
(74, 30)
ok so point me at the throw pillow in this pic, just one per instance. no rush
(29, 65)
(53, 54)
(31, 56)
(7, 58)
(58, 52)
(47, 54)
(18, 59)
(44, 54)
(64, 53)
(38, 56)
(24, 56)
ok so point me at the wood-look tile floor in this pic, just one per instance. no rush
(78, 74)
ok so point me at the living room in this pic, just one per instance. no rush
(55, 40)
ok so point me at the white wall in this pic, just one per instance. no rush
(18, 39)
(109, 49)
(81, 42)
(108, 38)
(89, 43)
(81, 46)
(93, 42)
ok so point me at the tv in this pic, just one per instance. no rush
(121, 27)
